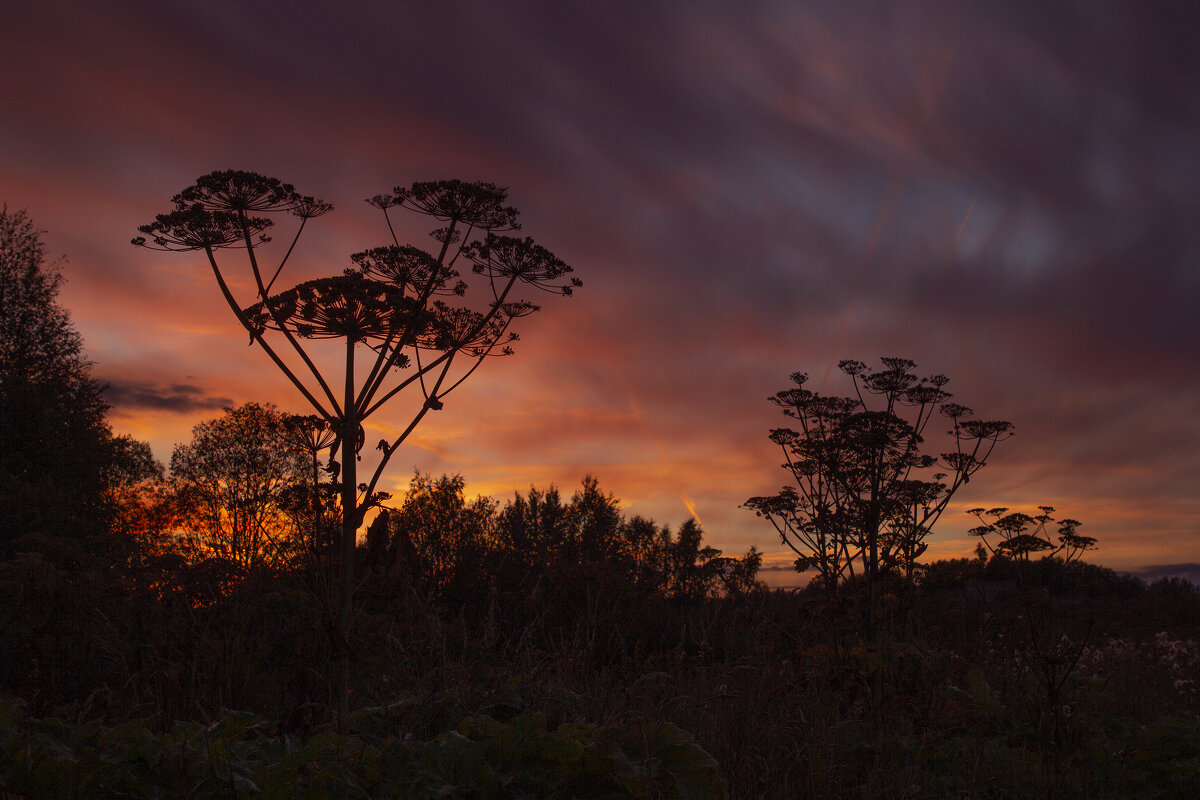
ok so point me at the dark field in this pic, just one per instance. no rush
(581, 679)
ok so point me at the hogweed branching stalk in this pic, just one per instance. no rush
(1016, 535)
(393, 302)
(863, 495)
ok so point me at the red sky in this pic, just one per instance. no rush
(1003, 192)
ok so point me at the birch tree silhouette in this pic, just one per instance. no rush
(394, 307)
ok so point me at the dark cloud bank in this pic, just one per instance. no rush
(178, 398)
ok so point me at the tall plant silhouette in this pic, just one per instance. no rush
(392, 309)
(1017, 535)
(865, 496)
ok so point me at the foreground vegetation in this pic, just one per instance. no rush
(1076, 682)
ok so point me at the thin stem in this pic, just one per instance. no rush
(286, 256)
(483, 322)
(257, 337)
(262, 291)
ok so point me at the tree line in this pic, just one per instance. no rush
(244, 496)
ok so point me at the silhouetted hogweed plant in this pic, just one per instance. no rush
(864, 496)
(389, 307)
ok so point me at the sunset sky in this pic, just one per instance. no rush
(1007, 193)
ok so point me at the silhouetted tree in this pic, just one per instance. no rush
(865, 495)
(232, 485)
(437, 536)
(689, 569)
(687, 562)
(135, 494)
(588, 539)
(59, 462)
(533, 526)
(646, 546)
(392, 307)
(594, 524)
